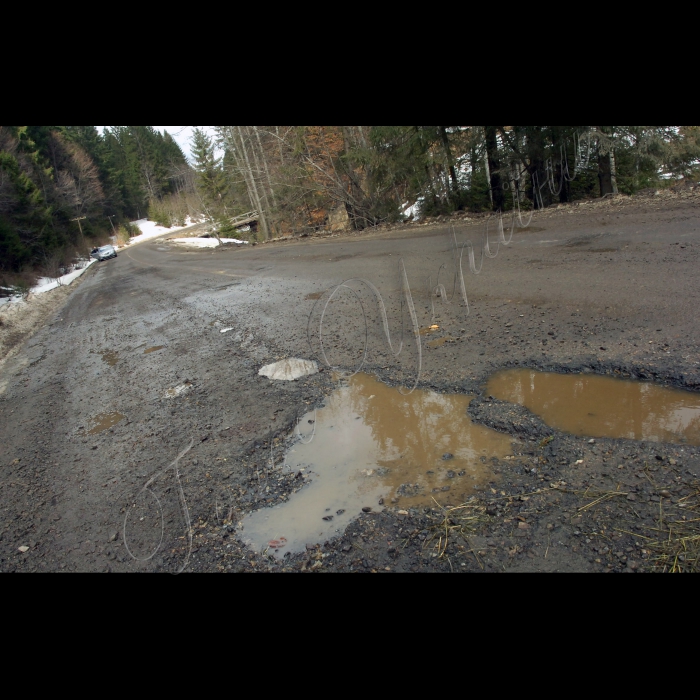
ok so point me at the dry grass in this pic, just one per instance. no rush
(457, 523)
(673, 544)
(678, 550)
(21, 282)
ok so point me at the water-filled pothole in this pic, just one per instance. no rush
(434, 344)
(105, 421)
(597, 406)
(369, 446)
(110, 358)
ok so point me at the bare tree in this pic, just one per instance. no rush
(78, 182)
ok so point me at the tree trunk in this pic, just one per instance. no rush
(566, 185)
(450, 160)
(487, 167)
(613, 171)
(605, 175)
(498, 195)
(267, 169)
(253, 185)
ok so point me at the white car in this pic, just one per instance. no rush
(106, 252)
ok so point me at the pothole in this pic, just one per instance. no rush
(603, 407)
(148, 351)
(370, 446)
(429, 330)
(109, 357)
(105, 421)
(434, 344)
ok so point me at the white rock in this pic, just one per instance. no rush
(289, 370)
(178, 390)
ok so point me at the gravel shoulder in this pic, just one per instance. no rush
(19, 321)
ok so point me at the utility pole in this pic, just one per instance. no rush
(80, 226)
(79, 219)
(112, 222)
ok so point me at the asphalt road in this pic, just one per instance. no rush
(611, 287)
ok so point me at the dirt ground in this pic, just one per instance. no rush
(608, 288)
(18, 322)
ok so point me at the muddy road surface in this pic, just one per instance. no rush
(137, 435)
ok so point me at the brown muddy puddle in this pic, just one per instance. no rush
(603, 407)
(111, 358)
(105, 421)
(434, 344)
(148, 351)
(371, 445)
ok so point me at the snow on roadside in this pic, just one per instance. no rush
(204, 242)
(46, 284)
(150, 229)
(412, 210)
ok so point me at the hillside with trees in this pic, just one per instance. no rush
(305, 178)
(62, 187)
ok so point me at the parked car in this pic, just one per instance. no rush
(106, 252)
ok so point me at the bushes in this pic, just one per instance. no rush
(17, 283)
(158, 212)
(125, 232)
(131, 229)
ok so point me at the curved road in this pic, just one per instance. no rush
(135, 366)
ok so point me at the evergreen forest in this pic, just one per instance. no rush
(66, 188)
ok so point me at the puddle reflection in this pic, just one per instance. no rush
(371, 444)
(597, 406)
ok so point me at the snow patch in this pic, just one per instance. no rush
(204, 242)
(411, 211)
(150, 229)
(46, 284)
(289, 370)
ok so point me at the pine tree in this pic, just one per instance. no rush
(211, 179)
